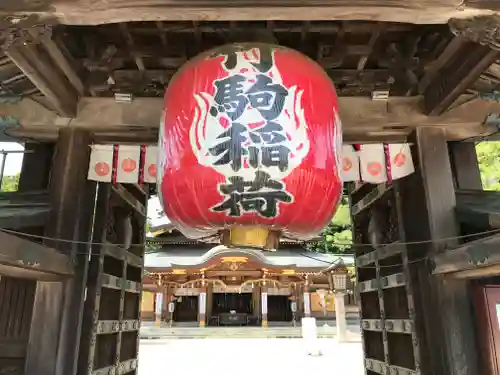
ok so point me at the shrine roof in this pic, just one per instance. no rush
(172, 257)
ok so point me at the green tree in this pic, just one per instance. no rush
(337, 232)
(488, 156)
(10, 183)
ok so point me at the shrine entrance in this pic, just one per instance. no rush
(279, 309)
(82, 90)
(186, 309)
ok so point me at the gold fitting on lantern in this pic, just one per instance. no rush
(248, 236)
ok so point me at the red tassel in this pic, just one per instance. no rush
(115, 162)
(357, 148)
(142, 161)
(388, 167)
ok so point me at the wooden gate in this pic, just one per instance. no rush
(384, 282)
(111, 322)
(16, 307)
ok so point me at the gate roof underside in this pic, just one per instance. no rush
(68, 75)
(85, 12)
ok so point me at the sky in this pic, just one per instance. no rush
(14, 163)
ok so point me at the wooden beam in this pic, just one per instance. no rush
(163, 35)
(25, 259)
(475, 259)
(458, 74)
(62, 62)
(79, 12)
(371, 44)
(432, 70)
(45, 77)
(130, 42)
(361, 117)
(24, 209)
(129, 198)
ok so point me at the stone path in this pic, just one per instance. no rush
(247, 357)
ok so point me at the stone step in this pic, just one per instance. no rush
(217, 332)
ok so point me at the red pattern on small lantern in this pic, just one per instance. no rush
(374, 168)
(129, 165)
(399, 159)
(152, 170)
(101, 169)
(346, 164)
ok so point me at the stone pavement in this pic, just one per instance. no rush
(247, 357)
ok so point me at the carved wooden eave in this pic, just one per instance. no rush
(478, 208)
(28, 43)
(25, 259)
(475, 259)
(86, 12)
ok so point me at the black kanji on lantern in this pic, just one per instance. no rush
(271, 133)
(265, 57)
(260, 196)
(231, 149)
(264, 149)
(267, 97)
(230, 97)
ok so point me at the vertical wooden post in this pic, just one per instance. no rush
(55, 336)
(443, 306)
(210, 301)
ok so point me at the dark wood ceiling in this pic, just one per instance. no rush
(360, 57)
(13, 83)
(141, 57)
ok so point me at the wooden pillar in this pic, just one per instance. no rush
(55, 334)
(256, 301)
(210, 300)
(300, 302)
(263, 305)
(443, 308)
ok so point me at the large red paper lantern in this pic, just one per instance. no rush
(251, 137)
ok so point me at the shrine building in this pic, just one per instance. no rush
(189, 282)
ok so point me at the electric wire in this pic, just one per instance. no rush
(437, 240)
(364, 267)
(340, 243)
